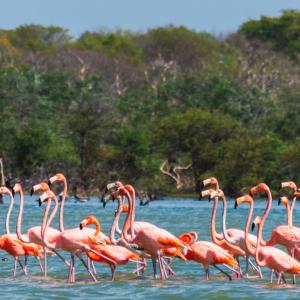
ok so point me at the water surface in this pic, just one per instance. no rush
(175, 215)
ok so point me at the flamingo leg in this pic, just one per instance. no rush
(256, 268)
(227, 275)
(166, 265)
(207, 273)
(271, 276)
(26, 264)
(15, 267)
(39, 262)
(283, 278)
(293, 256)
(61, 257)
(154, 266)
(279, 278)
(45, 262)
(93, 267)
(161, 267)
(70, 271)
(73, 269)
(237, 273)
(86, 266)
(113, 271)
(21, 266)
(140, 265)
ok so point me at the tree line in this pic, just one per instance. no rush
(116, 104)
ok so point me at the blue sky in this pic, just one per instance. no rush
(215, 16)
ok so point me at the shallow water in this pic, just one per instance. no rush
(175, 215)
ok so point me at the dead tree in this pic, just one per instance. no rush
(173, 171)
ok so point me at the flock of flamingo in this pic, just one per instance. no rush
(139, 241)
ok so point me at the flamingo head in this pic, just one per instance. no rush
(46, 195)
(43, 186)
(261, 187)
(110, 192)
(206, 193)
(210, 181)
(58, 177)
(242, 199)
(284, 200)
(16, 189)
(256, 221)
(88, 221)
(5, 190)
(288, 184)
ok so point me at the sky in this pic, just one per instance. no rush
(214, 16)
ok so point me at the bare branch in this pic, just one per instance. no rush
(173, 172)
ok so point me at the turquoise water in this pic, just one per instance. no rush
(175, 215)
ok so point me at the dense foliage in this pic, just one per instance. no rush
(117, 104)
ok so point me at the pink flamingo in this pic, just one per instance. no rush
(10, 242)
(267, 256)
(118, 254)
(210, 254)
(75, 241)
(283, 234)
(234, 250)
(289, 221)
(186, 238)
(60, 178)
(35, 234)
(152, 239)
(233, 236)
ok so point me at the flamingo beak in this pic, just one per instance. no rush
(252, 226)
(40, 202)
(209, 198)
(279, 201)
(31, 191)
(104, 204)
(83, 224)
(235, 204)
(13, 192)
(49, 183)
(280, 187)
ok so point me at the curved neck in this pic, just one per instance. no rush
(115, 224)
(259, 239)
(23, 239)
(289, 220)
(98, 227)
(130, 217)
(61, 212)
(269, 204)
(292, 209)
(248, 246)
(213, 224)
(9, 212)
(226, 236)
(52, 215)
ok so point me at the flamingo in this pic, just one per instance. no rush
(118, 254)
(35, 234)
(75, 241)
(151, 238)
(267, 256)
(282, 234)
(60, 178)
(235, 250)
(10, 242)
(232, 236)
(186, 238)
(289, 221)
(210, 254)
